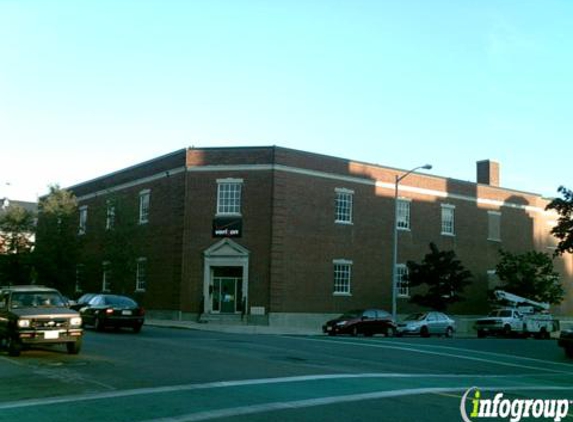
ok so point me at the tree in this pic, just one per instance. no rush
(530, 275)
(444, 276)
(564, 228)
(57, 240)
(17, 228)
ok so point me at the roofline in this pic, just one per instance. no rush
(315, 154)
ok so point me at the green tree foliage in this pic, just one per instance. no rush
(442, 274)
(530, 275)
(57, 240)
(564, 228)
(119, 243)
(17, 228)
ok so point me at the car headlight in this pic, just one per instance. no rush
(76, 321)
(23, 323)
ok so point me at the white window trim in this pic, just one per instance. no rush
(229, 180)
(453, 208)
(105, 270)
(349, 263)
(409, 202)
(144, 219)
(82, 228)
(109, 216)
(137, 287)
(350, 192)
(80, 270)
(489, 214)
(398, 294)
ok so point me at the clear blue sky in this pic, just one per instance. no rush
(88, 87)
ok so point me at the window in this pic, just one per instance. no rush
(106, 277)
(342, 275)
(494, 226)
(80, 269)
(343, 206)
(83, 219)
(110, 216)
(403, 214)
(229, 196)
(448, 227)
(402, 287)
(141, 275)
(144, 197)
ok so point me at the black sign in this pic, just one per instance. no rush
(227, 227)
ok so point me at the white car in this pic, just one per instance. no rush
(426, 324)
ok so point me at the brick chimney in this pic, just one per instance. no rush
(488, 172)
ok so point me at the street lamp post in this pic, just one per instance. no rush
(395, 239)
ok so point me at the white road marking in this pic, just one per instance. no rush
(223, 384)
(435, 346)
(396, 346)
(324, 401)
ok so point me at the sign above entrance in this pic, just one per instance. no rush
(227, 227)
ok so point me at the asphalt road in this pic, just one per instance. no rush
(173, 375)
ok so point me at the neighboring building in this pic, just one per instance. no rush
(282, 236)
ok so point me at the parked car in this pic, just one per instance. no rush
(566, 341)
(37, 315)
(363, 321)
(426, 324)
(81, 301)
(107, 310)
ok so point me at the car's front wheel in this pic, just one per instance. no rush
(98, 324)
(449, 332)
(424, 332)
(14, 347)
(74, 347)
(390, 332)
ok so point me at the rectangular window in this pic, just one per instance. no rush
(494, 226)
(106, 277)
(342, 276)
(229, 196)
(144, 198)
(80, 269)
(110, 216)
(83, 219)
(141, 275)
(343, 206)
(402, 287)
(448, 214)
(403, 214)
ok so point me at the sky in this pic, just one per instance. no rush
(90, 87)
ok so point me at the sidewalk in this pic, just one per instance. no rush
(233, 328)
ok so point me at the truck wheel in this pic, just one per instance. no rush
(543, 334)
(14, 347)
(506, 331)
(569, 352)
(74, 347)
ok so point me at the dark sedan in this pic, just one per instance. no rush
(364, 321)
(566, 341)
(106, 310)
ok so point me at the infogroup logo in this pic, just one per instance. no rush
(514, 409)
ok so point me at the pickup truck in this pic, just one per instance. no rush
(37, 315)
(510, 321)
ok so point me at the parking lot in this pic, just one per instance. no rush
(165, 374)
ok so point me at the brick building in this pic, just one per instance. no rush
(280, 236)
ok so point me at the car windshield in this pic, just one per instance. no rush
(415, 317)
(352, 314)
(37, 300)
(119, 301)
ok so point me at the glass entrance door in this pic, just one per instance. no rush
(227, 290)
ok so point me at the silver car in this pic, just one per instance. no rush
(426, 324)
